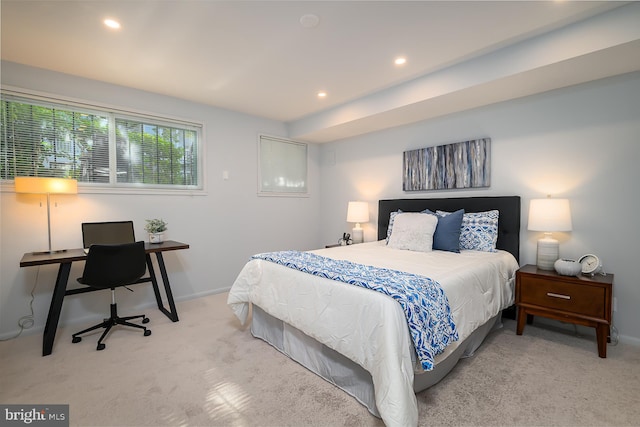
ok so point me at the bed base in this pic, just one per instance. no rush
(343, 372)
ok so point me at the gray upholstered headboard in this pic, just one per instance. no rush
(508, 222)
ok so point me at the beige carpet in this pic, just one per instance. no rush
(207, 371)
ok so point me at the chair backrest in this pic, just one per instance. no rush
(109, 266)
(107, 233)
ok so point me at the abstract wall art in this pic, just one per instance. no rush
(451, 166)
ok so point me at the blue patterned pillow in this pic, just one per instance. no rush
(479, 231)
(447, 235)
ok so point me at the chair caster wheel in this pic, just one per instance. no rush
(145, 320)
(76, 340)
(147, 332)
(100, 347)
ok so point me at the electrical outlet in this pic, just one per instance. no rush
(615, 304)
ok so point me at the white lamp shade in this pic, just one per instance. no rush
(45, 185)
(549, 215)
(358, 212)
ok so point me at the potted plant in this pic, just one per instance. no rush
(156, 228)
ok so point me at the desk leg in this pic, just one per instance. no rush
(172, 313)
(55, 308)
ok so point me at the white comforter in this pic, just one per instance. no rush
(369, 327)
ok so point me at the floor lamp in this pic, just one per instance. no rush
(48, 186)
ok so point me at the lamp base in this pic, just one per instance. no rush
(357, 235)
(548, 253)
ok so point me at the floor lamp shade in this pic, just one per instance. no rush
(48, 186)
(358, 212)
(39, 185)
(549, 215)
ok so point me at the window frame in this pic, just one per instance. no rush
(115, 113)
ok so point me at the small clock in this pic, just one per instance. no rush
(590, 264)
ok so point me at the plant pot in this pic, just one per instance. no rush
(156, 237)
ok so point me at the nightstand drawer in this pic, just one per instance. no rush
(575, 298)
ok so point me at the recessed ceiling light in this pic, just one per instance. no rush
(322, 94)
(111, 23)
(400, 61)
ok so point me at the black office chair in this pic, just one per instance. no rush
(110, 266)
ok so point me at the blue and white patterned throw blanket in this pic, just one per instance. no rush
(425, 304)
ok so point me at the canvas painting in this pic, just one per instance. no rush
(460, 165)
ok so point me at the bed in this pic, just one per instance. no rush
(357, 338)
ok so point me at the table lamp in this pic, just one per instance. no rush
(357, 212)
(549, 215)
(48, 186)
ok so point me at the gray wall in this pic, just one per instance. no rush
(224, 227)
(579, 143)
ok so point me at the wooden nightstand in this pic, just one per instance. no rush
(582, 300)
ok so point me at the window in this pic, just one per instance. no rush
(155, 154)
(99, 148)
(282, 167)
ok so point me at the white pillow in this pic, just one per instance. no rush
(413, 231)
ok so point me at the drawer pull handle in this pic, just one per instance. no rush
(551, 294)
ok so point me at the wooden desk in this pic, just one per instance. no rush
(66, 258)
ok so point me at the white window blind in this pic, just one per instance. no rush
(282, 167)
(156, 154)
(42, 138)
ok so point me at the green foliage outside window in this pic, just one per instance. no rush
(47, 140)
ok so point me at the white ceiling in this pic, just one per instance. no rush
(257, 58)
